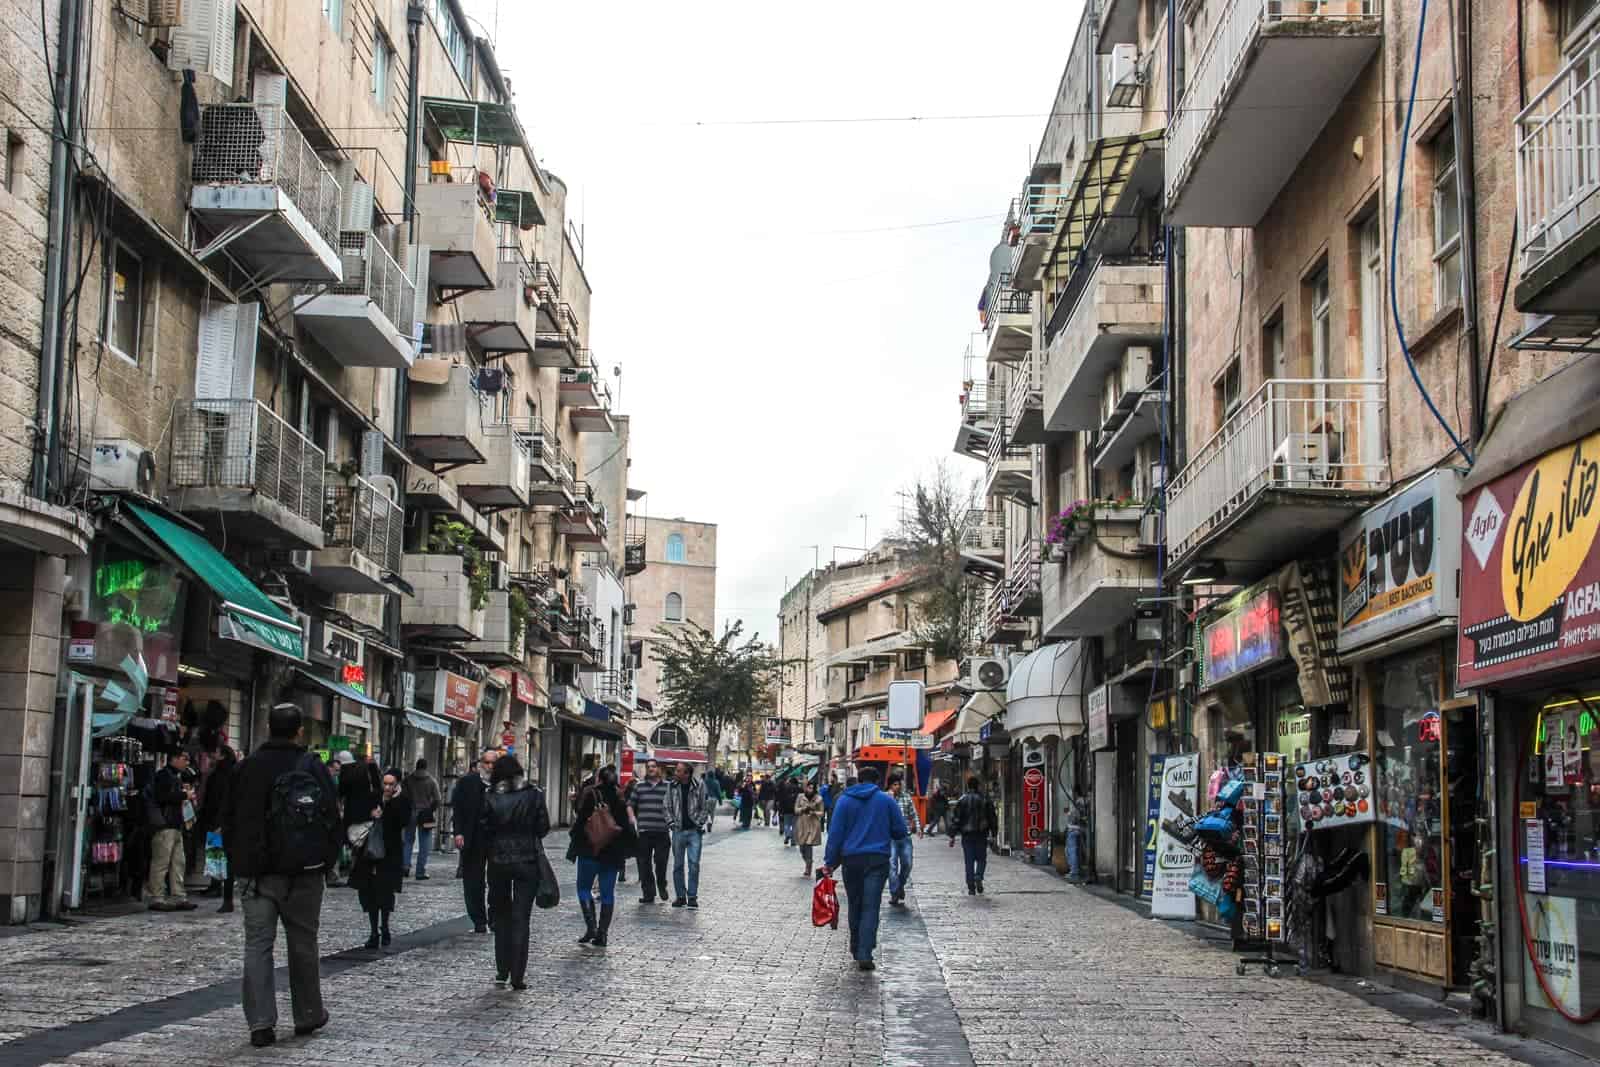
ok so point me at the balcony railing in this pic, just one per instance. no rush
(1035, 212)
(1558, 157)
(370, 271)
(361, 516)
(1022, 577)
(1313, 435)
(257, 144)
(547, 280)
(242, 444)
(983, 531)
(1000, 299)
(1024, 391)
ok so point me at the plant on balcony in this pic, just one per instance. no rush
(449, 537)
(517, 602)
(1064, 527)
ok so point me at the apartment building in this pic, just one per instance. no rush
(678, 585)
(318, 418)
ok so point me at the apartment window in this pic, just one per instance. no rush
(916, 659)
(1576, 15)
(674, 548)
(1371, 330)
(333, 11)
(1227, 392)
(382, 65)
(124, 299)
(1321, 324)
(1274, 360)
(669, 735)
(1446, 220)
(454, 37)
(674, 608)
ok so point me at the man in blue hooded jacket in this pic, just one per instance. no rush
(866, 821)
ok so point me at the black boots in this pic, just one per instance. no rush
(590, 932)
(605, 924)
(385, 928)
(372, 941)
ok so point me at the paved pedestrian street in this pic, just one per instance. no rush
(1035, 971)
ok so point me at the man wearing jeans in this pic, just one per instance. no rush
(648, 802)
(1077, 825)
(425, 797)
(686, 814)
(900, 857)
(281, 831)
(974, 821)
(866, 823)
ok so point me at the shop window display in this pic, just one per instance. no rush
(1409, 871)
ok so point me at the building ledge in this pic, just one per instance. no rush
(44, 527)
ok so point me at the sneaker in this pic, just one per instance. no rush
(980, 887)
(647, 900)
(302, 1031)
(423, 877)
(518, 984)
(972, 889)
(694, 902)
(866, 965)
(480, 928)
(160, 905)
(263, 1037)
(227, 906)
(501, 979)
(680, 902)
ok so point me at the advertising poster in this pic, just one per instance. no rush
(1170, 897)
(1152, 828)
(1553, 930)
(1032, 807)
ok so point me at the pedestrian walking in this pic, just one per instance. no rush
(218, 789)
(787, 792)
(1077, 829)
(377, 879)
(648, 803)
(975, 822)
(597, 860)
(466, 808)
(686, 814)
(938, 804)
(424, 793)
(170, 812)
(830, 798)
(356, 799)
(767, 797)
(747, 803)
(808, 823)
(514, 822)
(900, 857)
(866, 823)
(714, 791)
(281, 829)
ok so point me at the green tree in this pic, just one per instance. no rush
(716, 683)
(931, 530)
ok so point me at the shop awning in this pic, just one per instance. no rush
(427, 723)
(1044, 697)
(936, 720)
(517, 206)
(886, 754)
(248, 616)
(336, 689)
(979, 709)
(1548, 415)
(474, 121)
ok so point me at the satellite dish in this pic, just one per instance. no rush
(1000, 260)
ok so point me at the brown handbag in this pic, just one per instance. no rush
(600, 828)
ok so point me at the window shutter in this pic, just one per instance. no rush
(226, 364)
(191, 38)
(371, 452)
(223, 16)
(247, 320)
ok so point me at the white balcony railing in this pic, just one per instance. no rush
(363, 517)
(983, 531)
(257, 144)
(1558, 157)
(1023, 391)
(1239, 24)
(242, 444)
(370, 271)
(1301, 434)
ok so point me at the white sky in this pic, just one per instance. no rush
(783, 377)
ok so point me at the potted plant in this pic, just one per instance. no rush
(450, 537)
(1067, 528)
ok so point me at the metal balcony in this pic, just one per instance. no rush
(633, 556)
(552, 472)
(367, 319)
(365, 529)
(1259, 93)
(449, 423)
(504, 319)
(504, 478)
(1007, 319)
(584, 521)
(1095, 586)
(584, 392)
(1136, 421)
(1558, 192)
(496, 644)
(240, 468)
(1009, 469)
(1029, 228)
(261, 194)
(458, 226)
(558, 341)
(978, 404)
(1298, 459)
(1025, 403)
(1001, 625)
(1113, 304)
(983, 533)
(442, 607)
(619, 688)
(1022, 582)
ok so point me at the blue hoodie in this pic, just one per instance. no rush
(864, 821)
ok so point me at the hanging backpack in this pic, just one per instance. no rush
(297, 829)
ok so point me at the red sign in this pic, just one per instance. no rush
(1245, 637)
(1530, 578)
(355, 676)
(1032, 807)
(459, 697)
(627, 768)
(519, 683)
(1428, 727)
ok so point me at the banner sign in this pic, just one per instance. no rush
(1170, 897)
(456, 697)
(1097, 706)
(1152, 826)
(1400, 562)
(1530, 580)
(1032, 807)
(1553, 933)
(778, 730)
(878, 733)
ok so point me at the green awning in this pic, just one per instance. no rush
(1094, 193)
(339, 689)
(475, 122)
(247, 615)
(518, 207)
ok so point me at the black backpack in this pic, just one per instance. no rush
(298, 832)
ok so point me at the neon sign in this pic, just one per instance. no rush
(1244, 638)
(354, 675)
(136, 593)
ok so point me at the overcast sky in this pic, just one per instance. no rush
(789, 301)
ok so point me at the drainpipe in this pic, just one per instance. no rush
(1466, 201)
(414, 17)
(46, 472)
(1176, 446)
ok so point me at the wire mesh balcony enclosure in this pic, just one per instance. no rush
(264, 194)
(365, 320)
(361, 516)
(233, 455)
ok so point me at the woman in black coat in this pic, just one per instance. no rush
(377, 881)
(514, 822)
(604, 864)
(218, 786)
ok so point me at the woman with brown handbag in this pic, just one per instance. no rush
(602, 840)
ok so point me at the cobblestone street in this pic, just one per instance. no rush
(1036, 971)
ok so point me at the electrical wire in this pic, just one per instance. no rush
(1394, 244)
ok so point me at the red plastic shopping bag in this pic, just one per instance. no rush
(825, 902)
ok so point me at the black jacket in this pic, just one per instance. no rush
(164, 806)
(356, 795)
(218, 786)
(466, 809)
(622, 846)
(388, 872)
(964, 820)
(513, 820)
(788, 793)
(244, 821)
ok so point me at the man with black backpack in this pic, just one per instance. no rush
(282, 835)
(974, 820)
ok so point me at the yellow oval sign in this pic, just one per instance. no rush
(1551, 528)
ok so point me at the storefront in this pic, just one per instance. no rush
(1530, 645)
(585, 739)
(1045, 718)
(525, 707)
(452, 698)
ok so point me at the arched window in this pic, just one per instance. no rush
(675, 548)
(669, 735)
(674, 612)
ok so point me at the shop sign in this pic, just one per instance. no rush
(778, 729)
(1032, 807)
(338, 644)
(1170, 897)
(353, 675)
(1097, 709)
(1553, 937)
(1305, 593)
(1152, 826)
(457, 697)
(1400, 561)
(523, 687)
(1246, 636)
(567, 698)
(1534, 851)
(1530, 580)
(881, 734)
(408, 689)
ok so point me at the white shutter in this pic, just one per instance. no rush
(191, 38)
(225, 365)
(247, 320)
(419, 276)
(270, 89)
(224, 14)
(371, 452)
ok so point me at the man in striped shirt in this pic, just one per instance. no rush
(649, 804)
(900, 856)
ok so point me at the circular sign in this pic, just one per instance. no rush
(1034, 777)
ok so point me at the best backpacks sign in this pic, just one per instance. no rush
(1399, 562)
(1530, 577)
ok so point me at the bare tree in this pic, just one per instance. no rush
(932, 532)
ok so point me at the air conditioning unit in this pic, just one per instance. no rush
(1124, 63)
(988, 673)
(355, 209)
(385, 484)
(1133, 374)
(1150, 528)
(298, 560)
(1124, 79)
(122, 466)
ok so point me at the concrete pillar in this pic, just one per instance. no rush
(30, 656)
